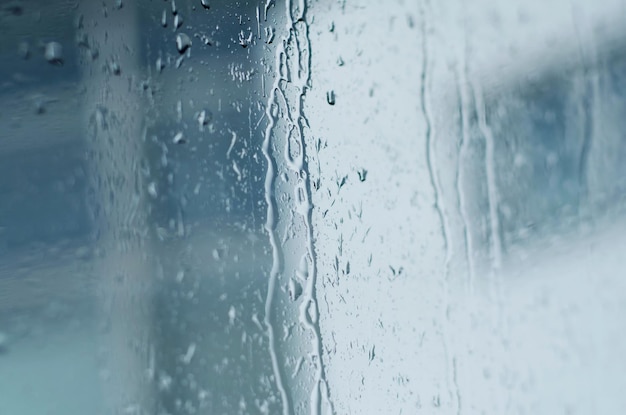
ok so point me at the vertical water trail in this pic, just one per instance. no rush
(437, 194)
(292, 78)
(492, 191)
(464, 108)
(493, 201)
(586, 104)
(270, 227)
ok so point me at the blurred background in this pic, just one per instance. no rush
(324, 207)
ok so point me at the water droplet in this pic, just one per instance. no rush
(119, 4)
(178, 21)
(436, 401)
(205, 4)
(232, 314)
(179, 138)
(372, 353)
(362, 175)
(183, 42)
(114, 67)
(160, 65)
(54, 53)
(164, 18)
(191, 350)
(180, 275)
(294, 289)
(243, 40)
(152, 190)
(40, 106)
(179, 110)
(330, 97)
(204, 118)
(165, 382)
(174, 9)
(331, 27)
(269, 35)
(340, 61)
(216, 255)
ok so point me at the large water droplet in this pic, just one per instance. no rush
(183, 42)
(54, 53)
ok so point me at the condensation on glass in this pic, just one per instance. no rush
(312, 207)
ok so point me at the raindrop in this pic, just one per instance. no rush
(183, 42)
(269, 34)
(191, 350)
(152, 190)
(372, 353)
(160, 65)
(179, 110)
(330, 97)
(178, 21)
(114, 67)
(436, 401)
(362, 175)
(205, 4)
(164, 19)
(174, 9)
(165, 382)
(54, 53)
(40, 106)
(179, 138)
(243, 40)
(204, 118)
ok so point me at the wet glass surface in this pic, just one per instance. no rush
(321, 207)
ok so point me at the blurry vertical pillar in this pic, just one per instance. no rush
(113, 118)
